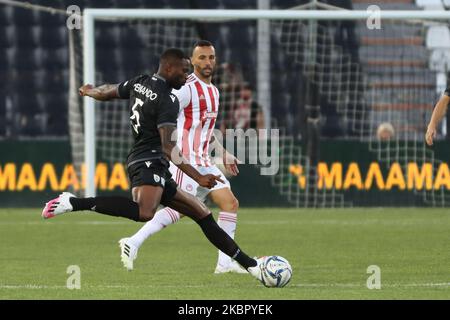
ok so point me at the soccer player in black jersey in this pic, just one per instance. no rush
(153, 117)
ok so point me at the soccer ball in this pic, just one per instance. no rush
(276, 271)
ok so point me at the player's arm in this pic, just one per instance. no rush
(103, 93)
(229, 160)
(184, 96)
(174, 154)
(438, 114)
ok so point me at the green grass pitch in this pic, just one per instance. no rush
(329, 250)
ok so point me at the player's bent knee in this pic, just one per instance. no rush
(201, 212)
(235, 205)
(146, 215)
(231, 205)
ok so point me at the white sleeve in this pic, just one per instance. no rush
(183, 95)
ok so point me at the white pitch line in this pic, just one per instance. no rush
(259, 222)
(388, 285)
(298, 285)
(30, 286)
(37, 287)
(96, 223)
(43, 223)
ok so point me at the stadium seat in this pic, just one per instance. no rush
(56, 110)
(5, 16)
(51, 3)
(21, 59)
(441, 82)
(430, 4)
(49, 60)
(106, 34)
(440, 60)
(23, 17)
(40, 78)
(285, 4)
(49, 20)
(206, 4)
(155, 4)
(438, 40)
(233, 4)
(102, 63)
(129, 4)
(52, 37)
(79, 3)
(25, 104)
(52, 82)
(423, 3)
(101, 4)
(177, 4)
(4, 61)
(5, 40)
(129, 39)
(23, 37)
(40, 56)
(438, 37)
(2, 115)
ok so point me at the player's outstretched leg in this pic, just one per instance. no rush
(184, 202)
(130, 246)
(58, 206)
(227, 220)
(142, 208)
(128, 253)
(113, 206)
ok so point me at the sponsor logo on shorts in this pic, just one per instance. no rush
(189, 187)
(158, 179)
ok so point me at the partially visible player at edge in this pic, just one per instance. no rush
(199, 104)
(154, 111)
(438, 114)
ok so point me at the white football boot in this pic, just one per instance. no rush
(232, 267)
(128, 253)
(58, 206)
(257, 270)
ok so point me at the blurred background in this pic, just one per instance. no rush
(351, 102)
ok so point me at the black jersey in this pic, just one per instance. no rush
(447, 91)
(152, 105)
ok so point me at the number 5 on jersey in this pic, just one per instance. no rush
(135, 117)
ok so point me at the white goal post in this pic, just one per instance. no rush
(91, 15)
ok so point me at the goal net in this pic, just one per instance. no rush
(326, 78)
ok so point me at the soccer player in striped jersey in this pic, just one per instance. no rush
(199, 104)
(438, 114)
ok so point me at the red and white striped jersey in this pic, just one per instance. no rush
(199, 104)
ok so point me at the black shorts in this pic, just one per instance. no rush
(153, 173)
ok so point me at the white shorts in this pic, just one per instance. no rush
(187, 184)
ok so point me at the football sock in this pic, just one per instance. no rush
(223, 242)
(162, 219)
(227, 221)
(112, 206)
